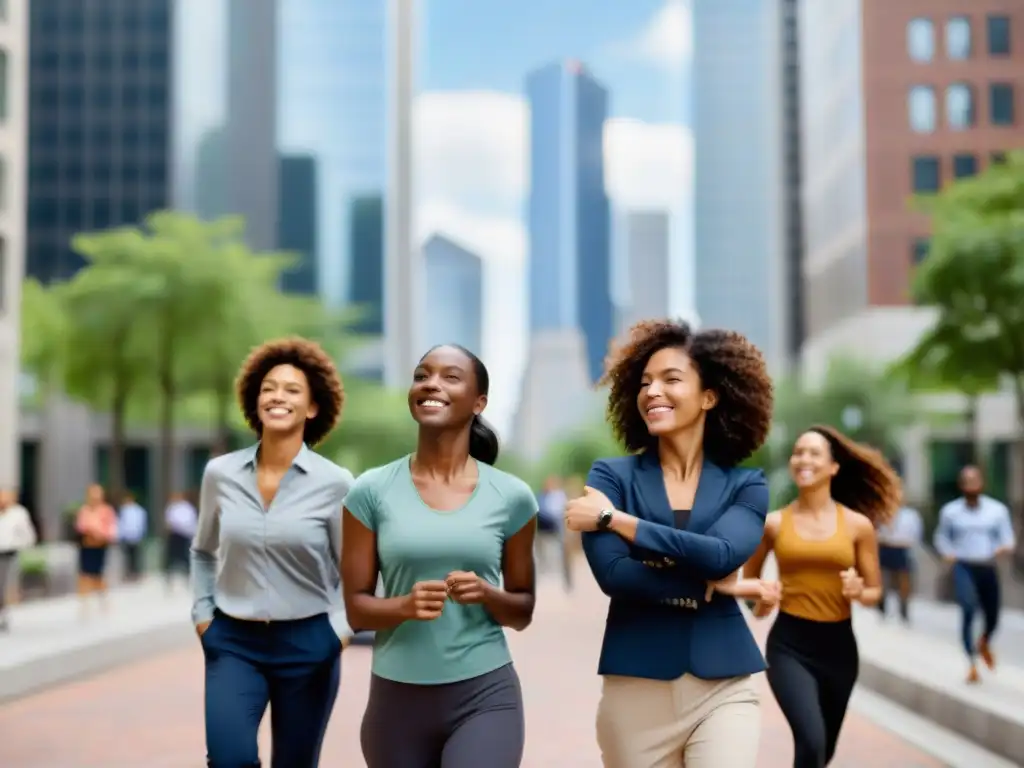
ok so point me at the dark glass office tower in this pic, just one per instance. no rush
(297, 221)
(99, 90)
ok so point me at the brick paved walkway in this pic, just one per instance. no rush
(148, 714)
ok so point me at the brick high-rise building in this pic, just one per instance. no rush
(897, 99)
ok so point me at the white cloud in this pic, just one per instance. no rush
(648, 165)
(470, 147)
(666, 41)
(472, 178)
(472, 168)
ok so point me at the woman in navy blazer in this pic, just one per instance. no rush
(663, 523)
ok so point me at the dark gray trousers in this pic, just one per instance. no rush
(473, 723)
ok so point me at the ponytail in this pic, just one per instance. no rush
(483, 441)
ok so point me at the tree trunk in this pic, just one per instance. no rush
(118, 407)
(223, 435)
(973, 429)
(165, 376)
(1014, 502)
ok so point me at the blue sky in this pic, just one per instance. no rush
(472, 139)
(505, 39)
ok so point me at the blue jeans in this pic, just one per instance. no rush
(975, 586)
(294, 666)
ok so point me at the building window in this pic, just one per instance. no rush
(921, 39)
(919, 249)
(999, 35)
(964, 165)
(926, 173)
(1000, 100)
(958, 38)
(959, 106)
(921, 108)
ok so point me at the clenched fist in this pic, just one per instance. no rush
(465, 587)
(853, 584)
(426, 600)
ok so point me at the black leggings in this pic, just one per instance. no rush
(812, 668)
(468, 724)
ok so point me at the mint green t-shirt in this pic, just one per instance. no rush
(417, 543)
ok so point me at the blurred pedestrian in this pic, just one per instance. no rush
(658, 525)
(180, 518)
(972, 534)
(827, 554)
(96, 524)
(453, 538)
(266, 565)
(16, 533)
(551, 539)
(896, 542)
(132, 527)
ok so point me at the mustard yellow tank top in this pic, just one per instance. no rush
(810, 570)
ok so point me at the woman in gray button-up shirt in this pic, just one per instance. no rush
(265, 563)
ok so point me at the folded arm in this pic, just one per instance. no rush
(713, 555)
(616, 572)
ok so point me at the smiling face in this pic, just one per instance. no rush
(671, 396)
(444, 390)
(285, 401)
(811, 464)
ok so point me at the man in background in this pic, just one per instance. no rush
(133, 526)
(973, 533)
(181, 519)
(550, 529)
(896, 542)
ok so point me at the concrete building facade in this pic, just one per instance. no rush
(14, 62)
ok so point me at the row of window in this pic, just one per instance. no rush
(960, 106)
(926, 170)
(156, 59)
(959, 43)
(56, 218)
(102, 96)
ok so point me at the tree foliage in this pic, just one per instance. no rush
(973, 278)
(155, 325)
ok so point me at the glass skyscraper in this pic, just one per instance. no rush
(455, 284)
(568, 211)
(332, 105)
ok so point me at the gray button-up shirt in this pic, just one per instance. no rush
(274, 563)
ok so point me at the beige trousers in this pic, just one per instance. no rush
(684, 722)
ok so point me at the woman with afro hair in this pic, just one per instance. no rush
(827, 554)
(659, 525)
(266, 564)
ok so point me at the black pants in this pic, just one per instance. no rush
(294, 666)
(976, 585)
(132, 558)
(475, 723)
(812, 668)
(176, 554)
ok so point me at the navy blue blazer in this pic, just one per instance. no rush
(659, 625)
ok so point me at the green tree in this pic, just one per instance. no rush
(974, 276)
(933, 366)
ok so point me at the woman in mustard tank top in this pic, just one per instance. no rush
(827, 554)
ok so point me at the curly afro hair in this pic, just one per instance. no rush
(727, 363)
(866, 481)
(325, 385)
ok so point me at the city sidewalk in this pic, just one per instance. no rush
(48, 643)
(149, 713)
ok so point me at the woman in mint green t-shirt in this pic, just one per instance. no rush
(452, 538)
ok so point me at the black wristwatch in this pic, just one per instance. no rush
(604, 519)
